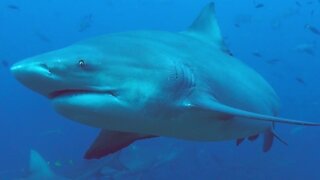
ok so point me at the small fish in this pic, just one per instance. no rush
(256, 54)
(313, 29)
(310, 2)
(236, 25)
(71, 162)
(13, 7)
(273, 61)
(300, 80)
(308, 48)
(57, 164)
(312, 12)
(85, 23)
(43, 37)
(242, 19)
(298, 4)
(259, 5)
(5, 63)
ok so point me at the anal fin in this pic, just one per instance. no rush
(268, 140)
(253, 137)
(109, 142)
(269, 135)
(239, 141)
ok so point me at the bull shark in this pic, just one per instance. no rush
(144, 84)
(130, 162)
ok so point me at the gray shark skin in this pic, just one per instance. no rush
(141, 84)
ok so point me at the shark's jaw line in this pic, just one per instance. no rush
(73, 92)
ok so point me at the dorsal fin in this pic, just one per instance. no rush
(38, 167)
(206, 28)
(206, 25)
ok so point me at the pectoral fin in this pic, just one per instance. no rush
(207, 104)
(109, 142)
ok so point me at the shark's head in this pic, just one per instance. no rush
(87, 81)
(63, 72)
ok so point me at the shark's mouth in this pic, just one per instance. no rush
(73, 92)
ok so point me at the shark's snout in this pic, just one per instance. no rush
(25, 72)
(33, 75)
(23, 68)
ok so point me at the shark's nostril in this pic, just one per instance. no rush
(46, 67)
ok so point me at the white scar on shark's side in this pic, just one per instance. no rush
(144, 84)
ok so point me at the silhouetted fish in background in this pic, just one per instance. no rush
(298, 3)
(273, 61)
(307, 48)
(242, 19)
(300, 80)
(313, 29)
(13, 7)
(259, 5)
(42, 37)
(4, 63)
(86, 22)
(257, 54)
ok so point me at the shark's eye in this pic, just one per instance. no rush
(82, 63)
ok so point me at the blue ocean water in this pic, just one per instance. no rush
(270, 36)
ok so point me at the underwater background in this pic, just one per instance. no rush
(279, 39)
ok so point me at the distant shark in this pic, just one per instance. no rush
(145, 84)
(39, 168)
(130, 162)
